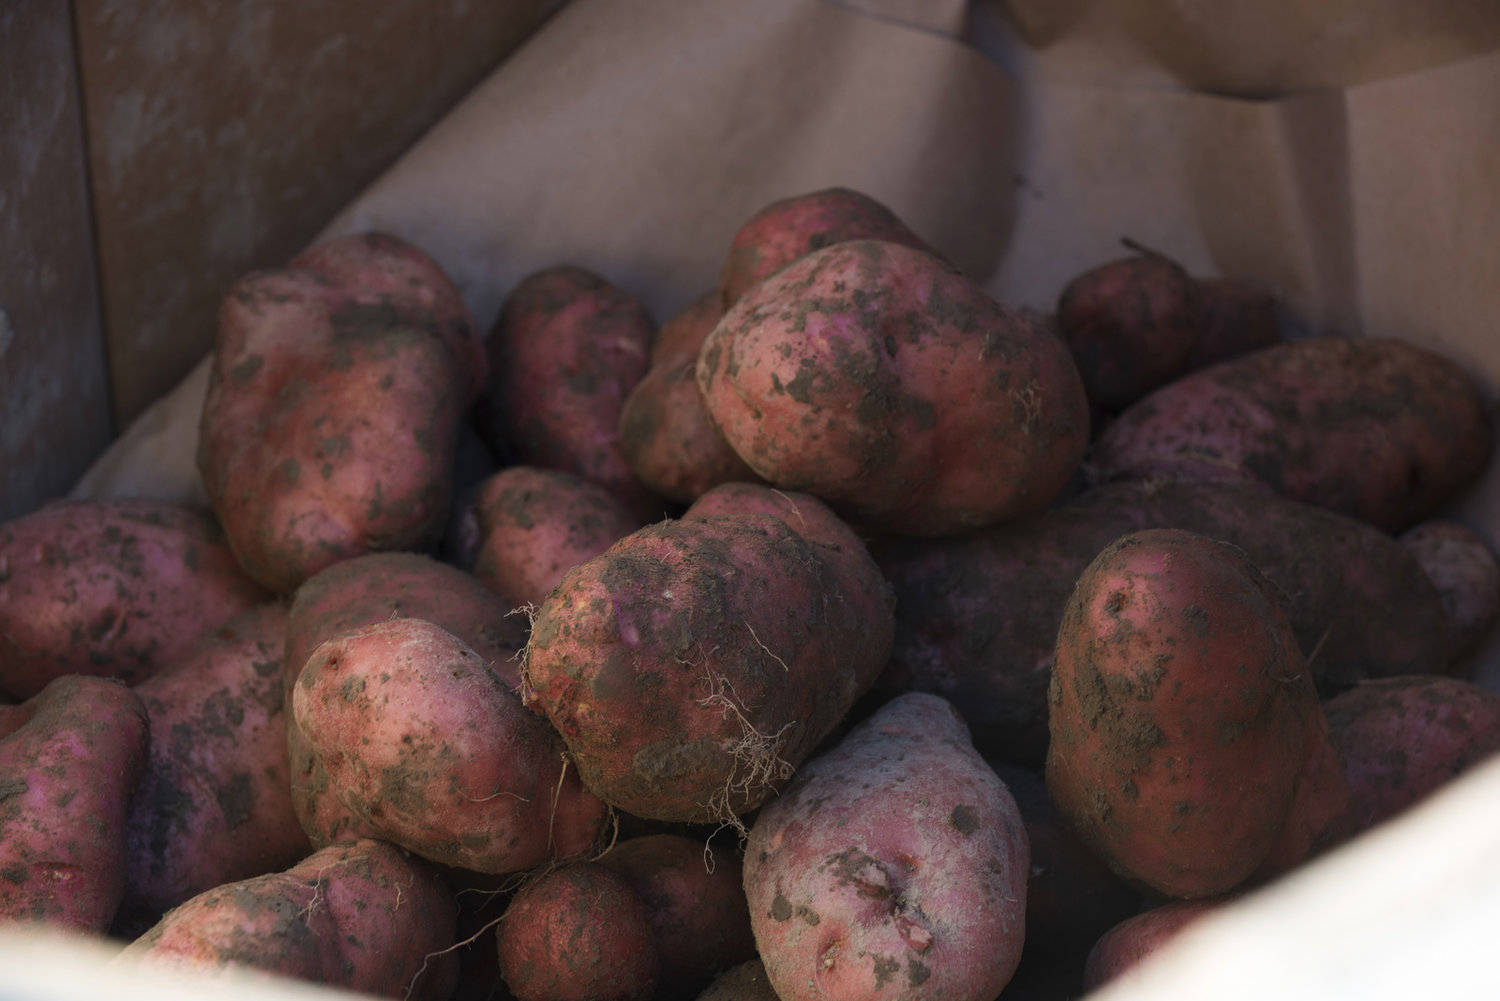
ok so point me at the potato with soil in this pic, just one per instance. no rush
(338, 389)
(1377, 429)
(1184, 724)
(373, 588)
(568, 347)
(881, 380)
(429, 749)
(360, 916)
(111, 588)
(215, 803)
(666, 437)
(1340, 580)
(1401, 739)
(71, 759)
(1466, 573)
(696, 662)
(1238, 317)
(791, 228)
(893, 866)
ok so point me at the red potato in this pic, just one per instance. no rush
(338, 390)
(1183, 719)
(428, 748)
(1237, 318)
(215, 804)
(566, 350)
(1466, 573)
(884, 382)
(71, 758)
(1401, 739)
(666, 437)
(578, 933)
(893, 866)
(1127, 943)
(696, 902)
(533, 525)
(1381, 430)
(794, 227)
(696, 662)
(111, 588)
(361, 916)
(373, 588)
(1131, 325)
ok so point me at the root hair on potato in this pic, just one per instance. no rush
(757, 755)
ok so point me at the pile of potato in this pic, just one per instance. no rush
(849, 635)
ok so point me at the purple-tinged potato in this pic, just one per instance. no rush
(893, 866)
(1127, 943)
(1237, 318)
(71, 758)
(215, 803)
(1182, 718)
(881, 380)
(1401, 739)
(668, 440)
(111, 588)
(1464, 569)
(1131, 324)
(372, 588)
(567, 348)
(426, 746)
(338, 390)
(1378, 429)
(696, 902)
(578, 933)
(794, 227)
(691, 666)
(535, 524)
(361, 916)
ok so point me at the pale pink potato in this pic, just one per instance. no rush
(111, 588)
(535, 524)
(1466, 573)
(893, 866)
(338, 390)
(884, 382)
(215, 804)
(360, 916)
(71, 758)
(427, 747)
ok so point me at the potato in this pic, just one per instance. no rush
(1134, 938)
(215, 803)
(794, 227)
(1238, 318)
(1466, 573)
(882, 381)
(893, 866)
(111, 588)
(695, 663)
(696, 902)
(338, 388)
(578, 933)
(360, 916)
(1183, 720)
(71, 759)
(1377, 429)
(1403, 738)
(428, 748)
(567, 348)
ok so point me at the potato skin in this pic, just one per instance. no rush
(1466, 573)
(215, 803)
(692, 665)
(893, 866)
(426, 746)
(361, 915)
(1238, 318)
(71, 759)
(338, 388)
(1177, 713)
(1377, 429)
(1127, 943)
(111, 588)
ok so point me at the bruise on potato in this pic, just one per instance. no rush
(893, 866)
(338, 389)
(111, 588)
(1374, 428)
(71, 758)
